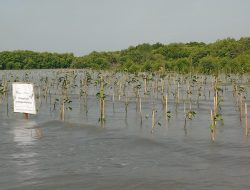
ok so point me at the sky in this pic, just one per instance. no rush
(83, 26)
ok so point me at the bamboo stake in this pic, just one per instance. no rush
(240, 107)
(113, 99)
(246, 120)
(103, 109)
(213, 125)
(215, 107)
(140, 109)
(166, 106)
(62, 111)
(178, 92)
(153, 119)
(162, 86)
(119, 93)
(139, 104)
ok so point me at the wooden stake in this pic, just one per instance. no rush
(140, 109)
(145, 86)
(240, 106)
(215, 105)
(166, 106)
(178, 92)
(153, 119)
(62, 111)
(26, 115)
(103, 110)
(213, 124)
(246, 120)
(139, 104)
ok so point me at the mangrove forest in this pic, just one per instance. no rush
(223, 56)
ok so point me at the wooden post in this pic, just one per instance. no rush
(26, 115)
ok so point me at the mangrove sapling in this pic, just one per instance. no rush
(2, 92)
(190, 114)
(126, 105)
(64, 100)
(241, 91)
(101, 96)
(84, 89)
(65, 105)
(218, 117)
(168, 114)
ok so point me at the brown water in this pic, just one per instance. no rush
(46, 153)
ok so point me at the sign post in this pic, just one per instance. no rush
(24, 98)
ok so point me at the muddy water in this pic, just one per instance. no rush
(79, 153)
(51, 154)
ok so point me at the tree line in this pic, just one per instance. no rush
(226, 55)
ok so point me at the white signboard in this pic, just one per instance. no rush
(24, 98)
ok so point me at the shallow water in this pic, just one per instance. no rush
(46, 153)
(78, 156)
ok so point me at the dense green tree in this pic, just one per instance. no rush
(226, 55)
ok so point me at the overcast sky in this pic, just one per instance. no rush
(83, 26)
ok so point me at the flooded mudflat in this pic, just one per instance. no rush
(124, 152)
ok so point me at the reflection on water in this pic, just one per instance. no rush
(25, 160)
(22, 133)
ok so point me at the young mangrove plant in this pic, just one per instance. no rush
(101, 96)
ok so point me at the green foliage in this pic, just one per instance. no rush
(227, 55)
(34, 60)
(190, 114)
